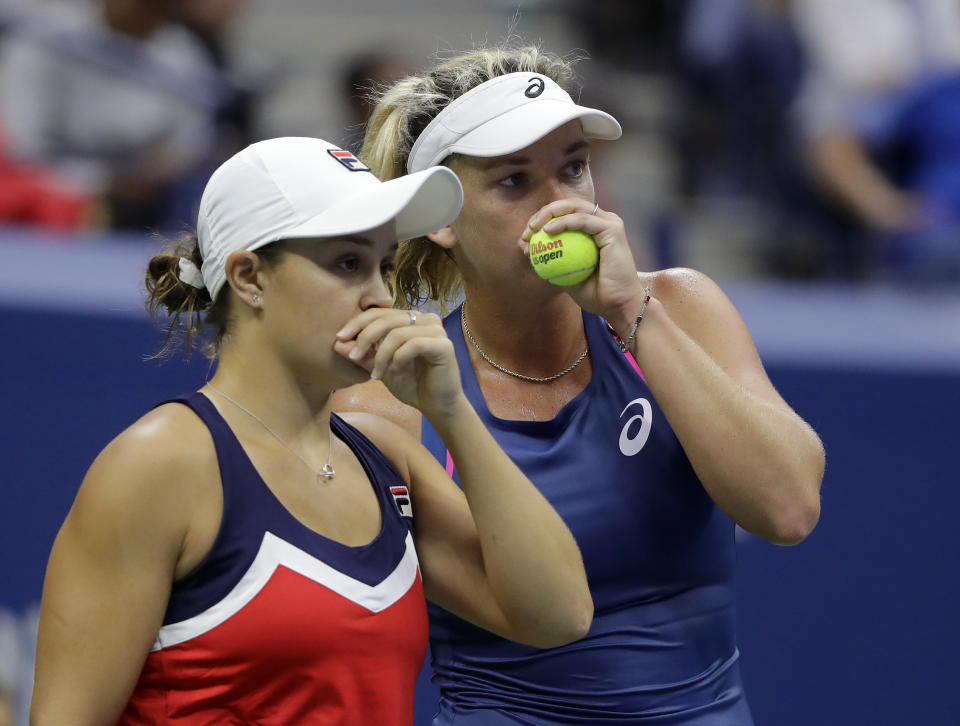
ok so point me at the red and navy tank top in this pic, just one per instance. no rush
(281, 625)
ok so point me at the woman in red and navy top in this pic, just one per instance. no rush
(242, 555)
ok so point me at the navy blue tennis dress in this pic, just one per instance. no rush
(659, 557)
(279, 625)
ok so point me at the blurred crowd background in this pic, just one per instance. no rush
(785, 139)
(770, 141)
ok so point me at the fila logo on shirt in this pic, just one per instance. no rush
(348, 160)
(402, 498)
(638, 424)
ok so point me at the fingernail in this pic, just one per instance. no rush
(354, 354)
(342, 333)
(374, 374)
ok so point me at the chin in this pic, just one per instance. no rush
(350, 374)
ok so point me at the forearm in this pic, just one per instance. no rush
(759, 461)
(532, 563)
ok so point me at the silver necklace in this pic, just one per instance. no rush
(532, 379)
(326, 472)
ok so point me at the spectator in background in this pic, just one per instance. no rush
(209, 21)
(33, 196)
(880, 110)
(361, 76)
(739, 67)
(731, 69)
(113, 99)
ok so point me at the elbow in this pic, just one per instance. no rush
(795, 527)
(573, 625)
(796, 519)
(578, 623)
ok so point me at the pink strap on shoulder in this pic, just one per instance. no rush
(636, 366)
(627, 354)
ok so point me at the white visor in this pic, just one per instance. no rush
(294, 188)
(503, 115)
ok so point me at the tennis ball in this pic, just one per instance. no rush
(565, 258)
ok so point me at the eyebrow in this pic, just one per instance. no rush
(518, 160)
(361, 240)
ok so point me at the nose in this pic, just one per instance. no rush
(555, 190)
(377, 294)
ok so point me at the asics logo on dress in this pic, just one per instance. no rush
(631, 445)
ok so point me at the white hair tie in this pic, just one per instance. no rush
(190, 274)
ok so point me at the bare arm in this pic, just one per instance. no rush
(758, 460)
(496, 553)
(108, 581)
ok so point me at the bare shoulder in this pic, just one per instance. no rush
(171, 437)
(693, 300)
(393, 440)
(374, 397)
(151, 470)
(679, 286)
(704, 312)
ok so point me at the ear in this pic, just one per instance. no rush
(445, 237)
(243, 270)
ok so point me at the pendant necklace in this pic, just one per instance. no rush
(326, 472)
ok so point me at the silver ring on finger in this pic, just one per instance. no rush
(413, 317)
(595, 208)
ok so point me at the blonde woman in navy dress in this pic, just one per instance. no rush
(242, 555)
(651, 437)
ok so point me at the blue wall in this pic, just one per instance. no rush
(858, 625)
(70, 383)
(855, 626)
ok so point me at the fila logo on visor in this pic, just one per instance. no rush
(348, 160)
(535, 88)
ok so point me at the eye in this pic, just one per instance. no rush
(348, 263)
(387, 268)
(514, 180)
(576, 169)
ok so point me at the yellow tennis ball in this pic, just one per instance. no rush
(565, 258)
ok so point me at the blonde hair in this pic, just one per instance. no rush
(425, 271)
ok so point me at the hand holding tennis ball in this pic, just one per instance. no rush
(565, 258)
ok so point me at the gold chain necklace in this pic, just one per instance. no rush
(488, 359)
(326, 472)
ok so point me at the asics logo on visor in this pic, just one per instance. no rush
(535, 88)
